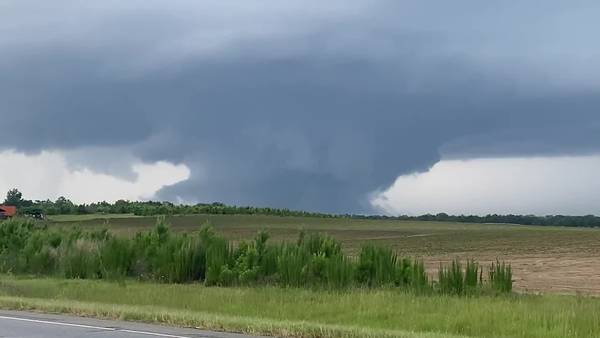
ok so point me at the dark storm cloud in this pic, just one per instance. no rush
(294, 105)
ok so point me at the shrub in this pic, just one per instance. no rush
(500, 277)
(314, 260)
(218, 255)
(377, 266)
(418, 279)
(116, 258)
(339, 272)
(291, 265)
(81, 259)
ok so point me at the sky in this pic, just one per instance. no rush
(366, 106)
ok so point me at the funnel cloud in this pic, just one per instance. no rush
(298, 104)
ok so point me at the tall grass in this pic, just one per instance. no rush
(314, 260)
(500, 277)
(311, 313)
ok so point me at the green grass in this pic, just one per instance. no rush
(308, 313)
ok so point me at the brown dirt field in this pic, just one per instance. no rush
(546, 273)
(544, 259)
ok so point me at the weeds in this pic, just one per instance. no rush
(500, 277)
(314, 260)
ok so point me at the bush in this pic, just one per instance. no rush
(378, 266)
(314, 260)
(291, 265)
(418, 280)
(339, 272)
(500, 277)
(81, 259)
(116, 258)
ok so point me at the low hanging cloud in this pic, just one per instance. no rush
(537, 185)
(47, 176)
(298, 104)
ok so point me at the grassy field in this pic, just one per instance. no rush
(283, 312)
(548, 259)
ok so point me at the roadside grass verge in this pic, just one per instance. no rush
(207, 321)
(291, 312)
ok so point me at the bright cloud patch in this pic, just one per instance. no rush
(543, 185)
(48, 175)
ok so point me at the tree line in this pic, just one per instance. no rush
(64, 206)
(589, 221)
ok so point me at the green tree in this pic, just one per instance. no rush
(14, 197)
(64, 205)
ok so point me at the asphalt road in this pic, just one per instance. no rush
(16, 324)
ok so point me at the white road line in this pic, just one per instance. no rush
(57, 323)
(91, 327)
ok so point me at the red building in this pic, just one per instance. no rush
(7, 211)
